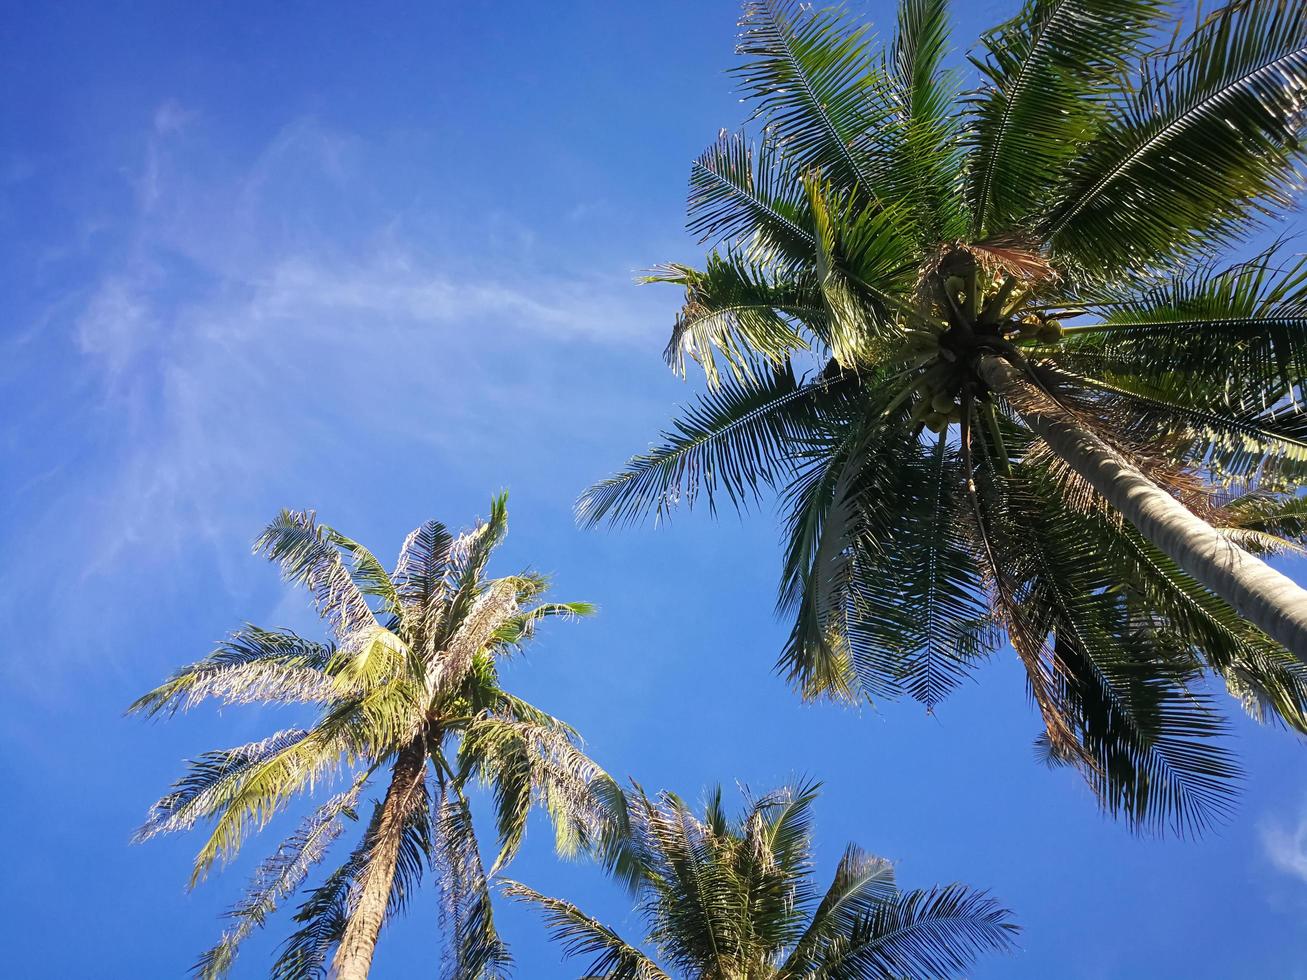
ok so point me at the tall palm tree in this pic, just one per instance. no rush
(408, 694)
(728, 899)
(988, 349)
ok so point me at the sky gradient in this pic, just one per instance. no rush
(379, 262)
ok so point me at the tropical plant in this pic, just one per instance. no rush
(987, 349)
(407, 694)
(723, 899)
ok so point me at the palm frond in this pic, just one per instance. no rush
(468, 557)
(1044, 72)
(733, 442)
(925, 933)
(697, 904)
(210, 778)
(525, 762)
(580, 935)
(476, 951)
(323, 915)
(862, 883)
(1236, 335)
(496, 605)
(752, 198)
(737, 312)
(517, 629)
(420, 580)
(277, 878)
(927, 572)
(813, 83)
(1247, 443)
(1269, 681)
(246, 798)
(924, 127)
(1209, 139)
(252, 666)
(1151, 740)
(863, 268)
(309, 555)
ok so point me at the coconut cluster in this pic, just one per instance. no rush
(971, 311)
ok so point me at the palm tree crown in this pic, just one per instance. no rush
(728, 899)
(408, 691)
(986, 347)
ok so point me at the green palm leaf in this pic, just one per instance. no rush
(924, 129)
(252, 666)
(735, 311)
(727, 444)
(935, 933)
(1209, 139)
(1042, 93)
(580, 935)
(812, 80)
(751, 197)
(278, 877)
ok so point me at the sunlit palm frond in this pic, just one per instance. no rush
(1246, 443)
(933, 933)
(309, 555)
(468, 557)
(738, 313)
(812, 81)
(731, 443)
(1044, 73)
(1236, 335)
(750, 197)
(526, 762)
(277, 878)
(252, 666)
(475, 949)
(305, 953)
(924, 128)
(420, 580)
(580, 935)
(863, 269)
(732, 896)
(519, 628)
(862, 882)
(211, 777)
(1208, 140)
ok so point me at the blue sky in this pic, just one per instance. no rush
(378, 261)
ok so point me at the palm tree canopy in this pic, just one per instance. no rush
(410, 672)
(724, 899)
(894, 226)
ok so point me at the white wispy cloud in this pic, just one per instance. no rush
(1285, 844)
(271, 333)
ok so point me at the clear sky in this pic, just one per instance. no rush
(378, 260)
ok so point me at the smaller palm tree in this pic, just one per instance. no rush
(409, 692)
(735, 900)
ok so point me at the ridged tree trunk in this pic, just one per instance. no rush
(1274, 603)
(354, 956)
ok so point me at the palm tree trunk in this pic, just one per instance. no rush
(1271, 601)
(354, 955)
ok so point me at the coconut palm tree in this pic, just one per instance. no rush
(994, 352)
(407, 696)
(723, 899)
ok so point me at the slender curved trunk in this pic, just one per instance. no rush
(1274, 603)
(354, 955)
